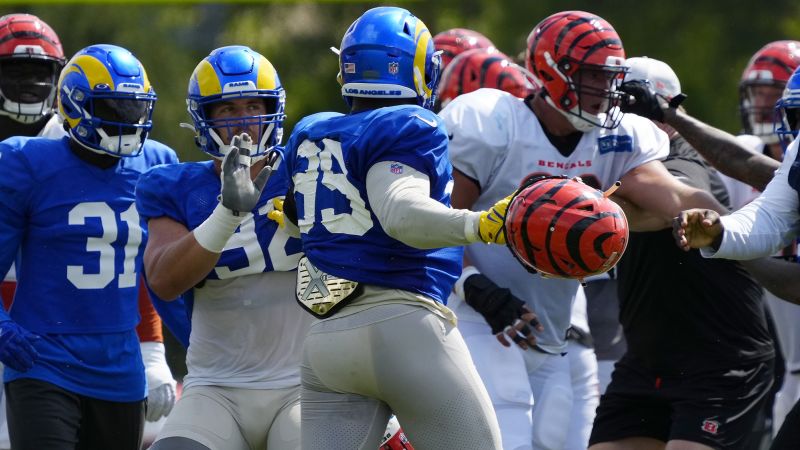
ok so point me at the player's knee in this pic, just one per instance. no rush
(178, 443)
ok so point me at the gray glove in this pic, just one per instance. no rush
(239, 192)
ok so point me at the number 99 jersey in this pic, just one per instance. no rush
(328, 157)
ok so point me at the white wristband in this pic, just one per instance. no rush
(471, 225)
(459, 286)
(215, 231)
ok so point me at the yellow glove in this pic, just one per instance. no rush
(276, 215)
(490, 224)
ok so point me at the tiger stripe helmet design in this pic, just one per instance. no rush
(563, 228)
(454, 41)
(564, 45)
(236, 72)
(389, 53)
(771, 66)
(106, 101)
(480, 68)
(31, 58)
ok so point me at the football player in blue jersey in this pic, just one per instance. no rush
(211, 242)
(74, 373)
(371, 196)
(31, 58)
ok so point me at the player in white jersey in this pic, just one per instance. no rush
(511, 396)
(762, 84)
(573, 128)
(230, 262)
(758, 229)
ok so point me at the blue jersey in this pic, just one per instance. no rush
(328, 157)
(187, 193)
(80, 240)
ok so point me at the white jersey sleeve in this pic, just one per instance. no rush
(650, 143)
(766, 224)
(478, 124)
(54, 128)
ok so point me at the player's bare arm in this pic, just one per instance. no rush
(777, 275)
(173, 260)
(653, 189)
(723, 150)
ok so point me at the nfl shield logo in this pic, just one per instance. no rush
(396, 169)
(394, 67)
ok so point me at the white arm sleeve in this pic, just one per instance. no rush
(766, 224)
(406, 212)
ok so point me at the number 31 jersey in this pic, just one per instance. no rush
(80, 235)
(328, 157)
(80, 239)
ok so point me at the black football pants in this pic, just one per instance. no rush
(44, 416)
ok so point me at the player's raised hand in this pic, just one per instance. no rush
(16, 346)
(490, 224)
(239, 192)
(696, 228)
(641, 99)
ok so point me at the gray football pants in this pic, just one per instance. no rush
(359, 368)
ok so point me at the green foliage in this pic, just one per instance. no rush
(707, 42)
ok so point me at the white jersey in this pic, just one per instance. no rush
(766, 224)
(497, 141)
(785, 315)
(53, 129)
(247, 313)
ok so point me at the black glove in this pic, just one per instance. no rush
(640, 99)
(497, 305)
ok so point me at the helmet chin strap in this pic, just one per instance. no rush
(93, 150)
(579, 123)
(124, 144)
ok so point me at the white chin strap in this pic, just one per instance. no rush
(765, 132)
(580, 124)
(253, 148)
(126, 144)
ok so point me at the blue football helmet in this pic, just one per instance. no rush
(229, 73)
(787, 111)
(106, 100)
(389, 53)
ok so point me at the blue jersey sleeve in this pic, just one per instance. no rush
(150, 199)
(16, 183)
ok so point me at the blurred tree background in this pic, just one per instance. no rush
(707, 42)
